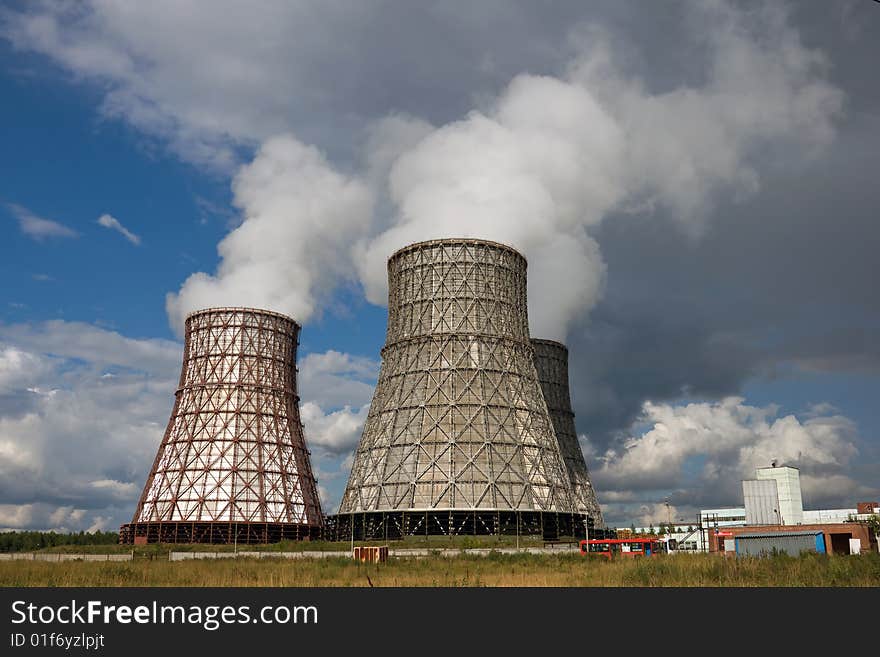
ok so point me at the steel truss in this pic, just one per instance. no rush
(217, 532)
(551, 362)
(394, 525)
(234, 451)
(458, 421)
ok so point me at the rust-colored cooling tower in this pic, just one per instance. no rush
(551, 362)
(233, 465)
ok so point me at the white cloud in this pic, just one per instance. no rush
(46, 517)
(326, 498)
(203, 86)
(701, 450)
(289, 254)
(16, 516)
(66, 516)
(655, 514)
(126, 490)
(337, 432)
(75, 445)
(19, 369)
(337, 389)
(111, 222)
(333, 379)
(93, 345)
(37, 227)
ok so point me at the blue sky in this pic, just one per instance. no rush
(705, 193)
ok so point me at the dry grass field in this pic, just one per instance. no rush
(497, 570)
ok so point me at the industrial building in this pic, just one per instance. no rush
(774, 517)
(788, 491)
(761, 498)
(459, 438)
(837, 527)
(836, 537)
(233, 466)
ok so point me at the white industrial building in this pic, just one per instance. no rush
(724, 517)
(761, 498)
(828, 515)
(788, 492)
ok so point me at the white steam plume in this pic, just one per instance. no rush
(299, 218)
(554, 157)
(539, 170)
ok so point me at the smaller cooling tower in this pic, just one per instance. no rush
(233, 465)
(551, 362)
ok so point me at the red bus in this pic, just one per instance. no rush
(623, 547)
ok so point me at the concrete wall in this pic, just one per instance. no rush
(58, 556)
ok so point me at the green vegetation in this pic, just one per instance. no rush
(154, 551)
(30, 541)
(470, 570)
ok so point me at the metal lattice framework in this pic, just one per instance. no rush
(457, 420)
(233, 463)
(551, 363)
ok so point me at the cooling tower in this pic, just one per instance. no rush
(551, 363)
(458, 435)
(233, 465)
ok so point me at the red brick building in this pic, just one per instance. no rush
(837, 535)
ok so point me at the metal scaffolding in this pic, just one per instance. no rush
(233, 465)
(458, 422)
(393, 525)
(551, 363)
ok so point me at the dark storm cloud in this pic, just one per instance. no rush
(785, 279)
(780, 283)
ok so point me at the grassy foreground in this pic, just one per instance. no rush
(493, 570)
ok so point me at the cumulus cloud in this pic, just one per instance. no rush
(336, 389)
(76, 445)
(700, 452)
(333, 379)
(50, 518)
(111, 222)
(289, 253)
(337, 432)
(187, 81)
(19, 369)
(16, 516)
(655, 514)
(92, 344)
(36, 227)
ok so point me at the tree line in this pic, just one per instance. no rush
(34, 540)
